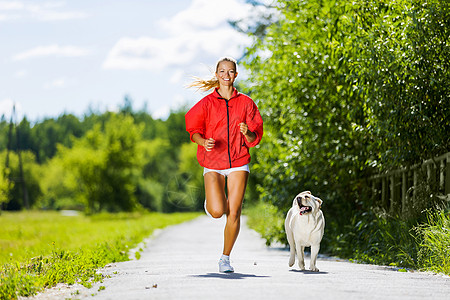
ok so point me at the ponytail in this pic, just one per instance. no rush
(204, 85)
(209, 84)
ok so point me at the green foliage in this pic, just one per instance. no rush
(42, 138)
(39, 250)
(5, 187)
(347, 89)
(190, 193)
(433, 238)
(105, 161)
(58, 185)
(403, 69)
(101, 164)
(309, 107)
(375, 239)
(31, 176)
(5, 184)
(268, 221)
(372, 238)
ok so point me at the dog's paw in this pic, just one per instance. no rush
(301, 266)
(314, 269)
(291, 261)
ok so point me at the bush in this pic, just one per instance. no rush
(433, 240)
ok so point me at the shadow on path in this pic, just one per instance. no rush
(307, 272)
(228, 276)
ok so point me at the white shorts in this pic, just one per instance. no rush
(227, 172)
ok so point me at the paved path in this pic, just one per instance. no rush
(181, 263)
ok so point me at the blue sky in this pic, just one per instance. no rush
(66, 56)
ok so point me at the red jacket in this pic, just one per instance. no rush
(218, 118)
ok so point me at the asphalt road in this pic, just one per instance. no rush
(180, 262)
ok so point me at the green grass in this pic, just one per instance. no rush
(434, 243)
(371, 239)
(41, 249)
(265, 219)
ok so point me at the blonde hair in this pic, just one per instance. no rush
(209, 84)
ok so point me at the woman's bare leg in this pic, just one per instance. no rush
(237, 182)
(216, 200)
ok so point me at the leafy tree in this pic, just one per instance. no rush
(190, 194)
(106, 161)
(155, 167)
(403, 68)
(5, 187)
(345, 87)
(59, 186)
(308, 106)
(102, 163)
(176, 129)
(31, 178)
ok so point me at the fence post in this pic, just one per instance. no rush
(404, 190)
(374, 192)
(447, 174)
(414, 184)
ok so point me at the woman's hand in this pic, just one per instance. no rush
(250, 136)
(208, 144)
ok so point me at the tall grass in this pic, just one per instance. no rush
(372, 238)
(434, 243)
(40, 249)
(267, 221)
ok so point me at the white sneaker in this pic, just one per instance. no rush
(206, 211)
(224, 266)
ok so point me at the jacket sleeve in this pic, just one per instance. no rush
(255, 124)
(195, 120)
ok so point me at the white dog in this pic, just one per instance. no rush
(304, 226)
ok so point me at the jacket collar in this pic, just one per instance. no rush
(218, 96)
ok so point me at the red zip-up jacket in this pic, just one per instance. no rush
(219, 118)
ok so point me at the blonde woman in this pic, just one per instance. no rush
(224, 124)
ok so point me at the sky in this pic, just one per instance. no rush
(78, 56)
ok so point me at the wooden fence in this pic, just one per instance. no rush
(396, 191)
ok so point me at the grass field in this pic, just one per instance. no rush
(40, 249)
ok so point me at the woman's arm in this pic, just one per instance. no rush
(249, 136)
(207, 143)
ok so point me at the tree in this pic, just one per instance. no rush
(31, 175)
(299, 80)
(347, 89)
(102, 164)
(5, 187)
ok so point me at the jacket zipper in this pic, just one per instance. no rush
(228, 131)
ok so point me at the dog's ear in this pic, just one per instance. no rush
(319, 200)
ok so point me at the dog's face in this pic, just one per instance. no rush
(307, 203)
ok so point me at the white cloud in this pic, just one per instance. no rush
(178, 100)
(52, 50)
(44, 11)
(146, 53)
(162, 113)
(20, 74)
(201, 32)
(177, 76)
(206, 15)
(56, 83)
(6, 109)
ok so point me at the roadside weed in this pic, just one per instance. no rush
(68, 249)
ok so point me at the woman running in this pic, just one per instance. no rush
(224, 124)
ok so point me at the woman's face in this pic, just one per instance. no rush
(226, 73)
